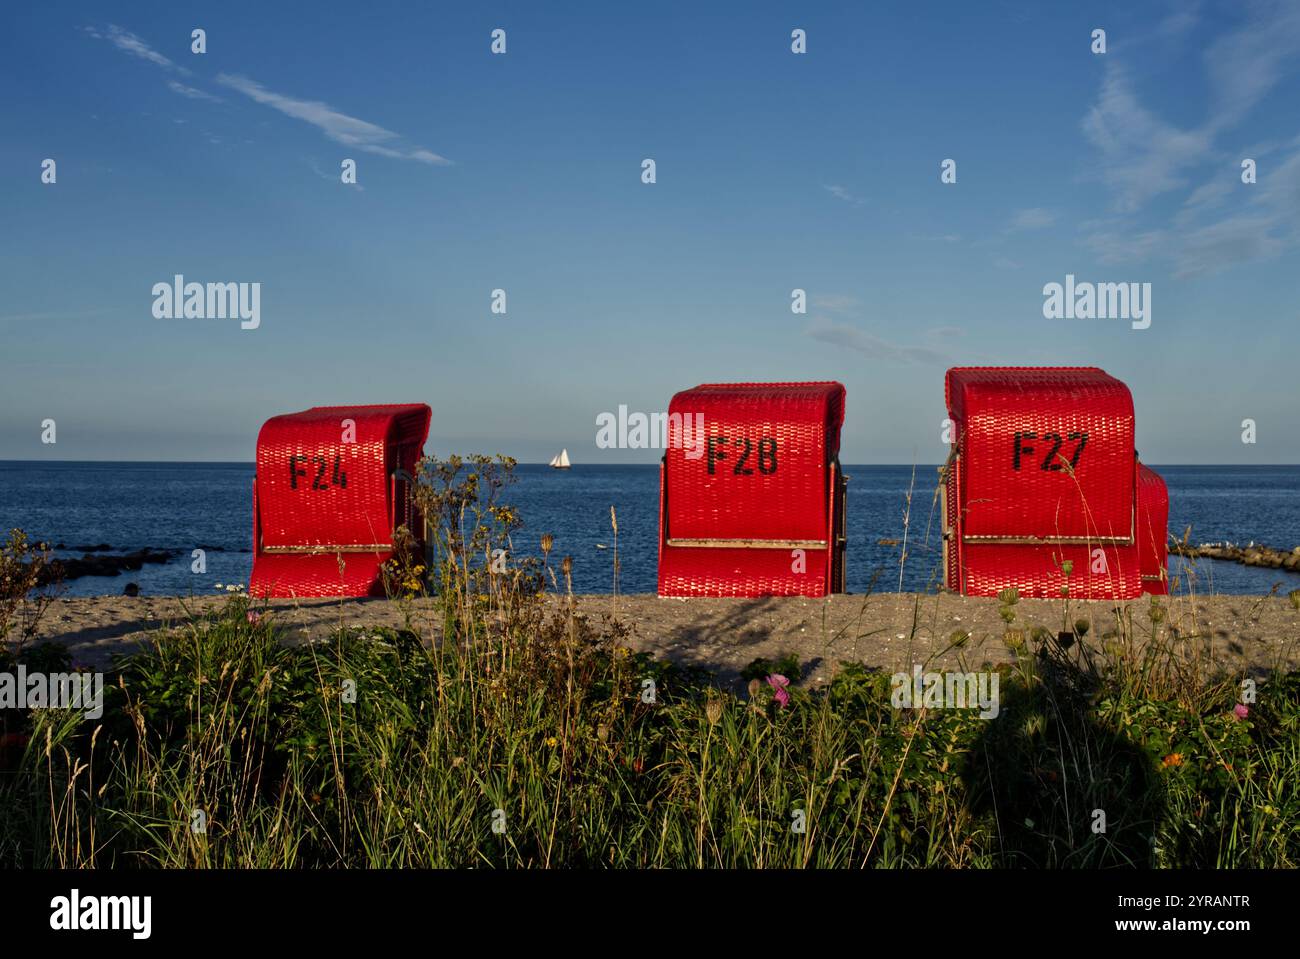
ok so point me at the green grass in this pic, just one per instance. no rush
(541, 714)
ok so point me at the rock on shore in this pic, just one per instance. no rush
(103, 564)
(1252, 554)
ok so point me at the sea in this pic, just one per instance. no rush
(188, 506)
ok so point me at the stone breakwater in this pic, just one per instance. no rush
(1251, 554)
(103, 564)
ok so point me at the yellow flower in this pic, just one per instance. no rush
(1174, 759)
(552, 741)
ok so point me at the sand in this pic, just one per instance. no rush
(888, 631)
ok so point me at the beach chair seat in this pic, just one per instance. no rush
(1043, 490)
(333, 484)
(751, 495)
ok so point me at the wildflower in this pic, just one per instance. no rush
(254, 617)
(1241, 710)
(779, 684)
(552, 741)
(1173, 759)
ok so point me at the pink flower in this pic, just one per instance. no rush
(779, 684)
(253, 617)
(1241, 710)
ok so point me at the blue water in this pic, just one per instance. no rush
(191, 505)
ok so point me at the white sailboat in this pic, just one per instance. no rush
(561, 462)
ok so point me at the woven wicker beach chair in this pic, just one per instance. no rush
(751, 497)
(1043, 489)
(333, 484)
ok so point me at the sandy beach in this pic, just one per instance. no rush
(888, 631)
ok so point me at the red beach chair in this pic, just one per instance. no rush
(333, 484)
(1043, 477)
(751, 497)
(1153, 532)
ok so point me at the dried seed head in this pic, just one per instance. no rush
(713, 711)
(547, 542)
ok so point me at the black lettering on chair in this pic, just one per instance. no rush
(715, 454)
(1022, 449)
(1049, 462)
(741, 469)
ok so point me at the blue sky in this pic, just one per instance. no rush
(522, 171)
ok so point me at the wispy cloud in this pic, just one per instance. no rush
(192, 92)
(128, 42)
(835, 302)
(334, 178)
(1142, 156)
(1035, 218)
(850, 337)
(1221, 221)
(945, 332)
(339, 127)
(1180, 20)
(840, 193)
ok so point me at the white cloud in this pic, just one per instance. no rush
(1035, 218)
(191, 92)
(1142, 156)
(339, 127)
(841, 193)
(1220, 221)
(128, 42)
(835, 302)
(1245, 65)
(1115, 245)
(850, 337)
(946, 332)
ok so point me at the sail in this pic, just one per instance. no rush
(555, 460)
(563, 459)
